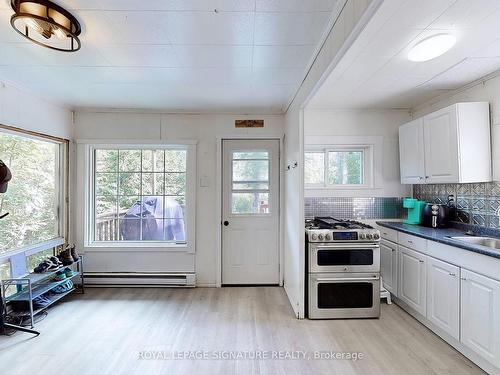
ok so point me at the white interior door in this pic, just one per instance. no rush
(250, 212)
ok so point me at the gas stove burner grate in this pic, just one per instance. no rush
(328, 222)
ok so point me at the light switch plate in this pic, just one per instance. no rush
(204, 181)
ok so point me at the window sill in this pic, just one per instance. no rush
(33, 249)
(339, 187)
(137, 247)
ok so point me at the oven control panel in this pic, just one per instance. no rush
(328, 235)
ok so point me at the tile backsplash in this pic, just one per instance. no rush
(476, 204)
(354, 208)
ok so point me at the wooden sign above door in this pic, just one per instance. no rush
(249, 123)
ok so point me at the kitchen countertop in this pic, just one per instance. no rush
(439, 235)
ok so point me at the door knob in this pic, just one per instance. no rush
(226, 223)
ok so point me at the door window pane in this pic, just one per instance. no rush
(250, 170)
(250, 186)
(250, 182)
(345, 167)
(314, 167)
(250, 203)
(250, 155)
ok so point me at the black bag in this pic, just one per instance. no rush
(130, 228)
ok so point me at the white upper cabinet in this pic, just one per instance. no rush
(441, 146)
(452, 145)
(411, 146)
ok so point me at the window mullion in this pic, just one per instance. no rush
(326, 172)
(140, 197)
(118, 221)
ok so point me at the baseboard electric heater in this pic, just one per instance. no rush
(135, 279)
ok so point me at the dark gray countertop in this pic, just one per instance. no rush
(439, 235)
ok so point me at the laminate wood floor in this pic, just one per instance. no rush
(106, 331)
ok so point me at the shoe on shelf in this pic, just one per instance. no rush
(60, 275)
(66, 258)
(55, 260)
(53, 266)
(74, 254)
(40, 302)
(43, 266)
(63, 288)
(69, 272)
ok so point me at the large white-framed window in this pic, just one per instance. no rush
(36, 195)
(339, 167)
(140, 196)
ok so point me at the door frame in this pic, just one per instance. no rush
(218, 211)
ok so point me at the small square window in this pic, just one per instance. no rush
(314, 168)
(345, 167)
(339, 167)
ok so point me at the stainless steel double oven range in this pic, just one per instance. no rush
(342, 269)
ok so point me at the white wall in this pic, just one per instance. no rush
(361, 125)
(349, 18)
(24, 110)
(294, 212)
(205, 128)
(489, 91)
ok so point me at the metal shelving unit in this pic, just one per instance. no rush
(34, 285)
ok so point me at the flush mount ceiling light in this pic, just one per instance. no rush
(431, 47)
(46, 24)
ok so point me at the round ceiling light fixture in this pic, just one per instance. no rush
(431, 47)
(46, 24)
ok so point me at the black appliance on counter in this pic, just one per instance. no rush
(436, 215)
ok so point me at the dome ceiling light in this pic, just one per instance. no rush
(431, 47)
(46, 24)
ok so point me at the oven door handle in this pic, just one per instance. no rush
(346, 279)
(349, 246)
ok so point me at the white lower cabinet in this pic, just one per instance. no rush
(443, 296)
(459, 304)
(480, 315)
(412, 279)
(389, 265)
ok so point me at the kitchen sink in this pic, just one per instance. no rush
(492, 243)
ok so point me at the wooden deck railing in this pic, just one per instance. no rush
(107, 227)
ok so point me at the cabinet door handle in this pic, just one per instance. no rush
(410, 241)
(452, 274)
(463, 278)
(393, 250)
(421, 261)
